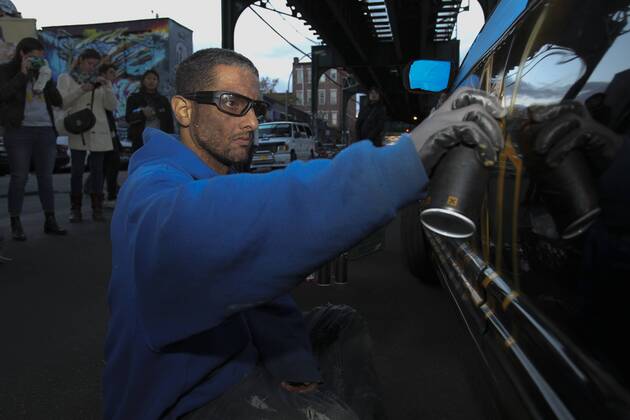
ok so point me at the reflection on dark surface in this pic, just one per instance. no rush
(578, 278)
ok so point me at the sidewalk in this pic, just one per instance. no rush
(32, 216)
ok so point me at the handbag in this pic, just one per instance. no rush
(81, 121)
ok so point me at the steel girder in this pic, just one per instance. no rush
(350, 37)
(346, 28)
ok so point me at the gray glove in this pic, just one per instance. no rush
(468, 116)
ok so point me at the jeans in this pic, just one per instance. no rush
(95, 160)
(24, 144)
(350, 390)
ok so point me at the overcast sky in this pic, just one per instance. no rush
(253, 38)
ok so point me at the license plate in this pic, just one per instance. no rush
(261, 157)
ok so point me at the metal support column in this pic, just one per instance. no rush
(230, 12)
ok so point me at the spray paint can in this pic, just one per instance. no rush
(456, 191)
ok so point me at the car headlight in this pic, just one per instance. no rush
(283, 148)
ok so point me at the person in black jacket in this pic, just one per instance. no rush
(27, 96)
(147, 108)
(371, 121)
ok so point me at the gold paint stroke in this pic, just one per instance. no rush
(509, 298)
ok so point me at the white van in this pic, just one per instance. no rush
(280, 142)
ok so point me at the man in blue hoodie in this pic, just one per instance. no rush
(202, 325)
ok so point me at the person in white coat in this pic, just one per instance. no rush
(84, 88)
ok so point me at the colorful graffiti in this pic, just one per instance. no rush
(134, 47)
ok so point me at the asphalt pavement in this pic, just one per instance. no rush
(53, 318)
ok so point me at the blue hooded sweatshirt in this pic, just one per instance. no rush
(202, 266)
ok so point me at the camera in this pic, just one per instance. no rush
(37, 63)
(93, 81)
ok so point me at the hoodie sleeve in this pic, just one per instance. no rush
(205, 250)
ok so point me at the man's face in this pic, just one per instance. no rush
(224, 136)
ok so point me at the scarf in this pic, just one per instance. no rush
(79, 77)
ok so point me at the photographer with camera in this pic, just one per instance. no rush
(82, 89)
(27, 96)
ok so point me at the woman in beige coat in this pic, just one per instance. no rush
(77, 88)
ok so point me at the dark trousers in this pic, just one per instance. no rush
(350, 391)
(112, 166)
(24, 144)
(95, 160)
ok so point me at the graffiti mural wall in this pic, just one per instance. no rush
(134, 47)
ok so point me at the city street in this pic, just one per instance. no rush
(53, 317)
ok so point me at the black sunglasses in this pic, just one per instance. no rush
(229, 102)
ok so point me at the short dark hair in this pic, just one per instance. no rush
(197, 71)
(90, 53)
(104, 68)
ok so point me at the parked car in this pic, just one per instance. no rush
(543, 284)
(326, 150)
(281, 142)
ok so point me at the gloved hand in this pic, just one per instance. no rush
(568, 126)
(468, 116)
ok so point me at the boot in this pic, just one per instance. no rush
(75, 208)
(97, 207)
(16, 229)
(51, 227)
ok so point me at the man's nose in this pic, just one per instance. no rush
(250, 119)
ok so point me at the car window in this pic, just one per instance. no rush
(503, 16)
(266, 131)
(300, 131)
(308, 131)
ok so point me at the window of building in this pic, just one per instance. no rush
(322, 96)
(308, 98)
(322, 78)
(333, 96)
(300, 97)
(333, 118)
(308, 75)
(299, 75)
(333, 74)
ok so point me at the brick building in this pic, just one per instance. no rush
(330, 91)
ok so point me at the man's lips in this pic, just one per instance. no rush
(242, 141)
